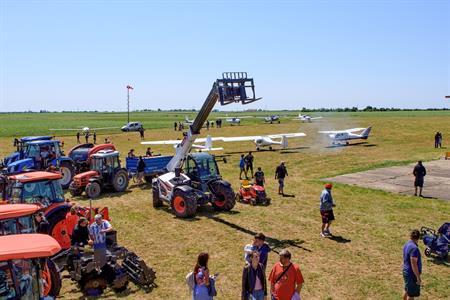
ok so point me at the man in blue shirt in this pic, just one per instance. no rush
(326, 210)
(412, 266)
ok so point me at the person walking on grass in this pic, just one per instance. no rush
(412, 266)
(326, 210)
(286, 279)
(78, 137)
(259, 177)
(140, 170)
(86, 137)
(254, 286)
(175, 125)
(249, 163)
(436, 140)
(95, 138)
(242, 167)
(280, 174)
(419, 173)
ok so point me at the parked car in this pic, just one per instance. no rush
(132, 126)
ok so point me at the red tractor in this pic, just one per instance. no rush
(105, 172)
(25, 256)
(44, 189)
(81, 155)
(251, 193)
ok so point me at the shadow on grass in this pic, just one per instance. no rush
(339, 239)
(105, 195)
(288, 195)
(283, 151)
(273, 242)
(439, 261)
(365, 144)
(202, 211)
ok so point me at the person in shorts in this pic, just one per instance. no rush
(412, 266)
(326, 210)
(419, 173)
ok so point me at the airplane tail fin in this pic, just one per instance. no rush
(366, 132)
(208, 142)
(186, 119)
(284, 142)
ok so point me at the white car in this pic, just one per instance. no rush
(132, 126)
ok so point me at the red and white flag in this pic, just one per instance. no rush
(130, 87)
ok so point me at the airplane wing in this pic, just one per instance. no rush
(288, 135)
(166, 142)
(340, 131)
(240, 138)
(315, 118)
(102, 128)
(202, 140)
(54, 129)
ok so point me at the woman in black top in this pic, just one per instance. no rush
(80, 234)
(254, 279)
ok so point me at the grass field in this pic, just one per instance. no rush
(364, 263)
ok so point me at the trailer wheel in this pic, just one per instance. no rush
(157, 202)
(148, 179)
(224, 197)
(67, 171)
(52, 279)
(58, 228)
(120, 181)
(93, 189)
(75, 191)
(184, 204)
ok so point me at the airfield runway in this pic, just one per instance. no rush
(400, 179)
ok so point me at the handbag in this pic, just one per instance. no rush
(212, 287)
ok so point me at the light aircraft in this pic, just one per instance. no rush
(338, 136)
(235, 120)
(85, 130)
(260, 141)
(272, 118)
(306, 118)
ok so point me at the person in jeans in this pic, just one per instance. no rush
(254, 286)
(280, 174)
(242, 167)
(326, 210)
(286, 279)
(249, 163)
(140, 170)
(412, 266)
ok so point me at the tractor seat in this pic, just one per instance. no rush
(246, 184)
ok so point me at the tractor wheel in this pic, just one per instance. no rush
(224, 198)
(67, 171)
(59, 227)
(93, 284)
(184, 204)
(51, 279)
(75, 191)
(93, 189)
(120, 181)
(157, 202)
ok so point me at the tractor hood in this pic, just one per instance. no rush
(85, 174)
(11, 158)
(21, 165)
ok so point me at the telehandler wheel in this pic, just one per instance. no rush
(157, 202)
(184, 204)
(224, 198)
(67, 171)
(120, 181)
(93, 189)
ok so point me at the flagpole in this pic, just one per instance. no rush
(128, 104)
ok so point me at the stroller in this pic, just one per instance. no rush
(436, 242)
(250, 193)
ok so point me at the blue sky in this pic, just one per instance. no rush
(69, 55)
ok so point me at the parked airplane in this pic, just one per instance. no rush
(260, 141)
(272, 118)
(235, 120)
(306, 118)
(338, 136)
(85, 130)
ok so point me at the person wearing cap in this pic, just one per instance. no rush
(326, 209)
(280, 174)
(97, 233)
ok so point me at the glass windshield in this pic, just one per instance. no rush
(207, 167)
(17, 226)
(97, 164)
(42, 192)
(33, 151)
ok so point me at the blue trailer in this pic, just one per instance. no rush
(154, 165)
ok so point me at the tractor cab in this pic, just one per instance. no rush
(105, 162)
(17, 218)
(24, 273)
(201, 168)
(38, 187)
(20, 145)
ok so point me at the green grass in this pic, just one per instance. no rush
(373, 224)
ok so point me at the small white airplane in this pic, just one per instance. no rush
(271, 119)
(338, 136)
(235, 120)
(84, 130)
(306, 118)
(260, 141)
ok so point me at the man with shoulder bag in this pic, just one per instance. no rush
(285, 279)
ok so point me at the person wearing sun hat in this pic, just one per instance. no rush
(326, 210)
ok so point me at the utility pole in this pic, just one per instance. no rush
(129, 87)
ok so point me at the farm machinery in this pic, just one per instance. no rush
(105, 172)
(40, 154)
(201, 181)
(16, 220)
(44, 189)
(251, 193)
(81, 155)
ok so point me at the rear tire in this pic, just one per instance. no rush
(184, 204)
(68, 171)
(157, 202)
(93, 189)
(224, 197)
(120, 181)
(58, 228)
(75, 191)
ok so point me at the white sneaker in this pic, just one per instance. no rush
(322, 234)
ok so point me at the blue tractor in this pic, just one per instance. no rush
(20, 146)
(42, 155)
